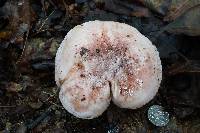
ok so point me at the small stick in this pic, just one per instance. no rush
(7, 106)
(39, 119)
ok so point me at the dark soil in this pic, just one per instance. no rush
(30, 33)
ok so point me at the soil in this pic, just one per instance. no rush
(30, 33)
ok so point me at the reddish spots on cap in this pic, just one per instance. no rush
(82, 76)
(83, 99)
(78, 106)
(80, 65)
(128, 86)
(94, 94)
(107, 53)
(83, 51)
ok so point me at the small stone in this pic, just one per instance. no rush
(58, 113)
(13, 87)
(35, 105)
(113, 129)
(8, 126)
(22, 128)
(158, 116)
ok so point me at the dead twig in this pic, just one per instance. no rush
(34, 123)
(7, 106)
(44, 22)
(24, 48)
(187, 67)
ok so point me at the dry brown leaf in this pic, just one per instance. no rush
(126, 8)
(4, 35)
(178, 7)
(20, 17)
(159, 6)
(188, 23)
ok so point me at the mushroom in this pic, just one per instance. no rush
(100, 61)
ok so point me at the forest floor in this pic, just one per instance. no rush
(31, 31)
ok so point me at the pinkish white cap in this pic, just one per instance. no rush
(103, 60)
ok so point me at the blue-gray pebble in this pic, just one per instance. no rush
(158, 116)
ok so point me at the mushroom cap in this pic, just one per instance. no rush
(103, 60)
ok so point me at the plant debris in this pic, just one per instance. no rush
(31, 31)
